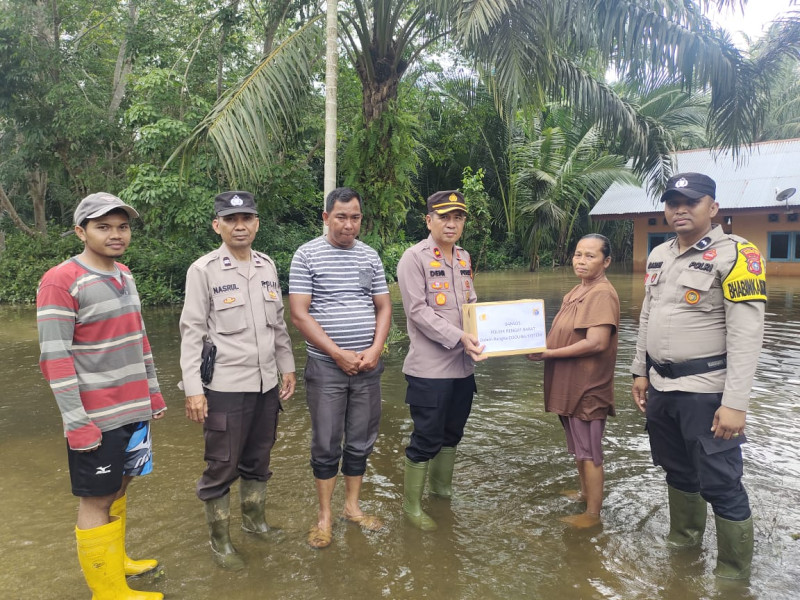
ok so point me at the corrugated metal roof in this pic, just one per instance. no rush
(769, 166)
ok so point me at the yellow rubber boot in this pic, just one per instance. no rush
(100, 552)
(132, 567)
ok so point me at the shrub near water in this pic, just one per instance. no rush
(25, 260)
(158, 264)
(158, 261)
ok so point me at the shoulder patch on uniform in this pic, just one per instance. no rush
(746, 282)
(265, 257)
(211, 256)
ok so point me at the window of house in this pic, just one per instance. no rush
(654, 239)
(783, 246)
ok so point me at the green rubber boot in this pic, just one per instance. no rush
(414, 485)
(218, 516)
(687, 518)
(734, 548)
(254, 500)
(440, 472)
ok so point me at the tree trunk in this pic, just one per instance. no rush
(5, 204)
(228, 16)
(37, 188)
(274, 17)
(331, 105)
(378, 95)
(124, 64)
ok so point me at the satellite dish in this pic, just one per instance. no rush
(785, 194)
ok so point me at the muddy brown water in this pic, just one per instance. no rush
(499, 538)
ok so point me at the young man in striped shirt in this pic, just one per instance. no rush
(340, 303)
(97, 359)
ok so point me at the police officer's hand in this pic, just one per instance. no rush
(639, 391)
(473, 347)
(288, 383)
(196, 408)
(347, 361)
(728, 423)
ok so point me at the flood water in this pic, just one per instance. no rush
(499, 538)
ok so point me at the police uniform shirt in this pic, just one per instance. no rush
(240, 307)
(433, 291)
(707, 301)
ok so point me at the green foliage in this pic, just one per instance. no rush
(391, 255)
(25, 260)
(158, 264)
(380, 162)
(478, 229)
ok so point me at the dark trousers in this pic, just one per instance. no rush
(682, 443)
(439, 409)
(345, 416)
(239, 433)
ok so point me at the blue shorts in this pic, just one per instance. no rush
(126, 450)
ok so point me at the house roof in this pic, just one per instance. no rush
(768, 168)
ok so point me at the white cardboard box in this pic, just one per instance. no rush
(507, 328)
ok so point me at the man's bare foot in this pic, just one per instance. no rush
(582, 521)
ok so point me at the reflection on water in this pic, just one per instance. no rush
(499, 538)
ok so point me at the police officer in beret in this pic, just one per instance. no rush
(435, 280)
(700, 334)
(233, 299)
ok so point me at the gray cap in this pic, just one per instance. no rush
(230, 203)
(99, 204)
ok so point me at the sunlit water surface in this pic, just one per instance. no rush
(500, 537)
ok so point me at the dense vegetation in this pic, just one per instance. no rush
(168, 102)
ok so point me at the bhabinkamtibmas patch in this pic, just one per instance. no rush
(746, 281)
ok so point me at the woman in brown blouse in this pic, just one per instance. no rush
(579, 368)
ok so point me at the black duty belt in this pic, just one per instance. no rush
(695, 366)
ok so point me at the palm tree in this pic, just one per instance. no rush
(534, 51)
(560, 167)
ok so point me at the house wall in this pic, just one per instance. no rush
(754, 226)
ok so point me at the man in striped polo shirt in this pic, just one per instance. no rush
(340, 303)
(97, 359)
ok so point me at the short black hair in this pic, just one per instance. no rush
(599, 236)
(342, 194)
(115, 211)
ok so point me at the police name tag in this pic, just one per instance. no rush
(507, 328)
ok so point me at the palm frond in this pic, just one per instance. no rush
(253, 118)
